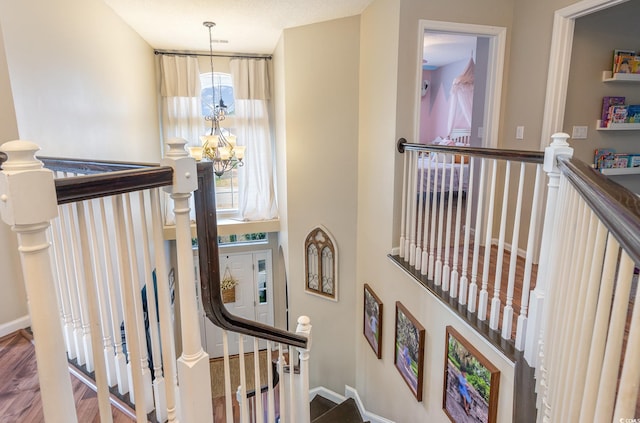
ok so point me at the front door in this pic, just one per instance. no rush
(253, 298)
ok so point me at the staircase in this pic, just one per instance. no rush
(327, 411)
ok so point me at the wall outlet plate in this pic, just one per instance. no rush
(579, 132)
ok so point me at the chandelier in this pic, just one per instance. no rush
(221, 149)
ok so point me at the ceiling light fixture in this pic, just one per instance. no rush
(220, 149)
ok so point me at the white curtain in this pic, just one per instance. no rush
(181, 117)
(461, 103)
(252, 92)
(180, 91)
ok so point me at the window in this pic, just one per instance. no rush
(227, 184)
(253, 238)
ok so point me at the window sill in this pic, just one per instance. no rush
(231, 227)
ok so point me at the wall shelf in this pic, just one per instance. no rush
(618, 126)
(621, 171)
(607, 76)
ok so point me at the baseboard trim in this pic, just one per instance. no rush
(15, 325)
(349, 392)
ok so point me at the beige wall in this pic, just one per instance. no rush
(84, 86)
(595, 38)
(13, 302)
(317, 81)
(83, 81)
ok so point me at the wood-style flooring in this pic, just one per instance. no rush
(20, 400)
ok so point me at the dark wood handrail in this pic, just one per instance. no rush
(100, 178)
(80, 188)
(492, 153)
(617, 207)
(207, 231)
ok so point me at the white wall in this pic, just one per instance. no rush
(84, 86)
(317, 85)
(13, 302)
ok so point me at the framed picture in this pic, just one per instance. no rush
(373, 320)
(409, 351)
(470, 382)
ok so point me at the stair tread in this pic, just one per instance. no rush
(320, 405)
(345, 412)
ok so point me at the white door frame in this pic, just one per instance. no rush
(560, 62)
(497, 44)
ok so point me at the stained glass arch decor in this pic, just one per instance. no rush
(321, 264)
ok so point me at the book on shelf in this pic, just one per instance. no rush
(633, 113)
(604, 158)
(623, 61)
(617, 114)
(607, 102)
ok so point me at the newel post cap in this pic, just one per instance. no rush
(304, 328)
(558, 147)
(27, 189)
(185, 177)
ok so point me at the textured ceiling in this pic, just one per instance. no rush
(248, 26)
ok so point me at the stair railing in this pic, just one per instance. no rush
(462, 211)
(107, 238)
(293, 404)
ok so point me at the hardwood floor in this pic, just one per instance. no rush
(20, 400)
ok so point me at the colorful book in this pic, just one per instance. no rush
(633, 113)
(607, 102)
(623, 60)
(617, 114)
(604, 158)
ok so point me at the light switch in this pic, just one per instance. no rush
(520, 132)
(579, 133)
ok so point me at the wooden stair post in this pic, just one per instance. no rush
(28, 204)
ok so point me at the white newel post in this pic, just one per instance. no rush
(559, 147)
(28, 204)
(302, 396)
(193, 365)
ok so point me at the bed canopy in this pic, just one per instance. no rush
(461, 102)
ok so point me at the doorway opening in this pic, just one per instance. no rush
(449, 53)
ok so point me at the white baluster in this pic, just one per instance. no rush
(427, 207)
(67, 317)
(113, 280)
(559, 146)
(147, 393)
(227, 377)
(104, 403)
(103, 302)
(507, 321)
(405, 187)
(464, 280)
(281, 387)
(164, 310)
(441, 198)
(259, 416)
(473, 288)
(606, 281)
(496, 304)
(81, 293)
(420, 222)
(291, 397)
(412, 206)
(72, 286)
(28, 204)
(456, 236)
(446, 269)
(193, 364)
(302, 399)
(528, 263)
(434, 212)
(242, 389)
(484, 295)
(159, 396)
(127, 292)
(271, 417)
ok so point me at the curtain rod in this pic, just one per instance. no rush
(233, 56)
